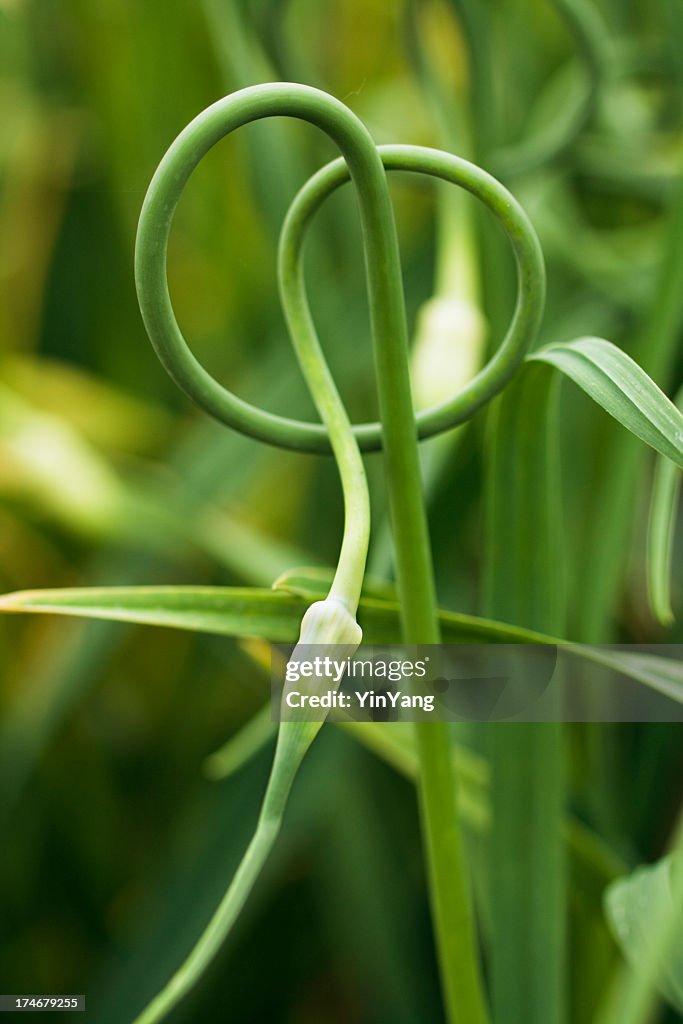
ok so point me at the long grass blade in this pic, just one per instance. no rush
(623, 389)
(240, 612)
(276, 615)
(524, 585)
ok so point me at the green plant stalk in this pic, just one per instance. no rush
(330, 621)
(528, 871)
(348, 578)
(449, 886)
(490, 379)
(293, 742)
(450, 896)
(450, 891)
(456, 271)
(398, 430)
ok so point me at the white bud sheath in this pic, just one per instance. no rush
(329, 637)
(330, 622)
(448, 349)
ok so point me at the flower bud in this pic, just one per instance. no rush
(329, 637)
(330, 622)
(448, 349)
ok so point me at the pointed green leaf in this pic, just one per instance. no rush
(276, 616)
(645, 912)
(273, 615)
(221, 610)
(617, 383)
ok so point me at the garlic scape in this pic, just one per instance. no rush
(332, 622)
(328, 625)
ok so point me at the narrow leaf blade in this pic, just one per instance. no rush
(240, 612)
(221, 610)
(528, 873)
(275, 616)
(623, 389)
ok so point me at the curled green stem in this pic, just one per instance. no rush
(332, 620)
(348, 578)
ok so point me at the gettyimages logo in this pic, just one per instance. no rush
(479, 682)
(441, 682)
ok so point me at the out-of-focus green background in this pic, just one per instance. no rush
(114, 844)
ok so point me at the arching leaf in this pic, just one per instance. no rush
(623, 389)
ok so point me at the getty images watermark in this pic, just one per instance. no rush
(479, 682)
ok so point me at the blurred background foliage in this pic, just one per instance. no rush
(115, 846)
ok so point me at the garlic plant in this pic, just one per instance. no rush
(327, 624)
(451, 382)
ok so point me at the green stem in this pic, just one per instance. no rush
(348, 578)
(294, 740)
(323, 622)
(450, 896)
(456, 263)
